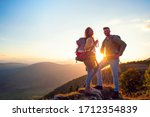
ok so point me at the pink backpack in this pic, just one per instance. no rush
(81, 54)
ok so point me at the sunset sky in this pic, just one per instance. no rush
(46, 30)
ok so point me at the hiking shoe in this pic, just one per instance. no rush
(98, 87)
(115, 95)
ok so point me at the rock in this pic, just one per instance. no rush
(95, 94)
(80, 95)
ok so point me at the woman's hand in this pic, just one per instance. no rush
(96, 42)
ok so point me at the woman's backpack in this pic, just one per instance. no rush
(81, 54)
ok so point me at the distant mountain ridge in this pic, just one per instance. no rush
(9, 66)
(37, 79)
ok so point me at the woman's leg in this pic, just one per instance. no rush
(89, 78)
(102, 64)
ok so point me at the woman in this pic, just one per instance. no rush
(91, 62)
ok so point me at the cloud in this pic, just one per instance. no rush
(147, 21)
(148, 26)
(3, 55)
(2, 39)
(136, 20)
(143, 24)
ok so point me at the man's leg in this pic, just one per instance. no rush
(99, 78)
(115, 69)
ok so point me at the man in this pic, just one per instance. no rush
(112, 48)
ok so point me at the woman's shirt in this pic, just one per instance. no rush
(89, 43)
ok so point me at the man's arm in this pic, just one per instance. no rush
(102, 48)
(122, 48)
(121, 43)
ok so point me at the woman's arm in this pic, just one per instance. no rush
(88, 43)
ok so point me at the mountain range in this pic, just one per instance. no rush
(22, 81)
(46, 79)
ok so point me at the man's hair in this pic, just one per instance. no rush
(106, 28)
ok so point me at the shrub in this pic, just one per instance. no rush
(147, 79)
(131, 81)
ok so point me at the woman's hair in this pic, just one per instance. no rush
(87, 32)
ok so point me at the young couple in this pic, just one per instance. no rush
(112, 48)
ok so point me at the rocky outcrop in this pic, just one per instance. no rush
(95, 94)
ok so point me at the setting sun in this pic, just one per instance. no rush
(99, 56)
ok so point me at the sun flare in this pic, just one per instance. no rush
(99, 56)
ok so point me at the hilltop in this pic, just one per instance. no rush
(104, 94)
(72, 87)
